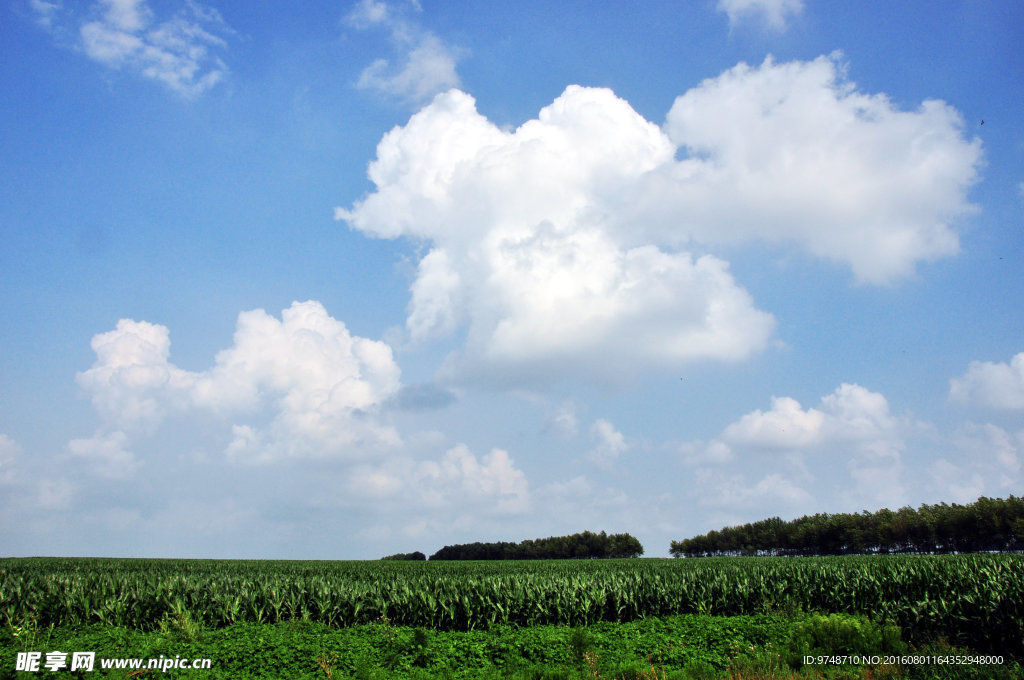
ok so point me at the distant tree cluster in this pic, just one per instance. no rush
(985, 525)
(584, 545)
(406, 556)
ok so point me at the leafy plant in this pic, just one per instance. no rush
(838, 634)
(179, 623)
(326, 663)
(580, 645)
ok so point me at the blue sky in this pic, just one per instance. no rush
(335, 280)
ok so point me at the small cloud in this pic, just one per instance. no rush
(423, 65)
(994, 385)
(608, 444)
(851, 416)
(563, 422)
(773, 13)
(786, 426)
(180, 52)
(368, 13)
(45, 12)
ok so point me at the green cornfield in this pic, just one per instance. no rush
(977, 600)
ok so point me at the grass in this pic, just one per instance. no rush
(689, 647)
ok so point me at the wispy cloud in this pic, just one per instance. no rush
(107, 454)
(45, 11)
(774, 13)
(608, 444)
(180, 52)
(422, 66)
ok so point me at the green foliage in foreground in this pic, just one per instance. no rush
(972, 600)
(676, 648)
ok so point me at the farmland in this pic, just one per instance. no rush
(973, 601)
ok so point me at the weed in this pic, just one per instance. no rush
(326, 663)
(27, 633)
(580, 643)
(701, 670)
(179, 623)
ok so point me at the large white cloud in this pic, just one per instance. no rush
(559, 244)
(793, 152)
(524, 252)
(995, 385)
(179, 52)
(321, 384)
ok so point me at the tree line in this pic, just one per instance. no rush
(582, 545)
(989, 524)
(412, 557)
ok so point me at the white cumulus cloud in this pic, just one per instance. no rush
(132, 384)
(569, 245)
(321, 384)
(852, 426)
(785, 426)
(793, 152)
(457, 480)
(850, 415)
(495, 477)
(524, 251)
(994, 385)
